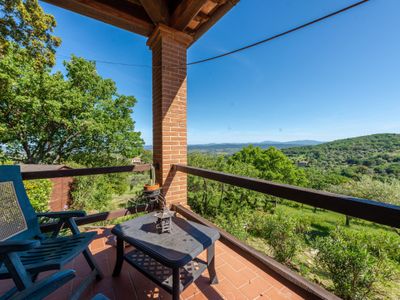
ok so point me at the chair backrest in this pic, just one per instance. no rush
(18, 220)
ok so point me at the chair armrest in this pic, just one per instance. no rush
(65, 218)
(62, 214)
(46, 286)
(17, 246)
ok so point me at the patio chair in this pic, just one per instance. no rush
(24, 250)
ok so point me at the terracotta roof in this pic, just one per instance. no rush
(41, 167)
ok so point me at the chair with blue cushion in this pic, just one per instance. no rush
(24, 250)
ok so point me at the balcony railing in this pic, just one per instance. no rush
(381, 213)
(97, 217)
(374, 211)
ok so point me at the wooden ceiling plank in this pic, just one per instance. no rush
(157, 11)
(121, 14)
(185, 12)
(216, 15)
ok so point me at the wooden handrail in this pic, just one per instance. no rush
(378, 212)
(84, 171)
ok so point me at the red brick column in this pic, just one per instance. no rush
(169, 109)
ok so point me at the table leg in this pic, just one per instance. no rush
(120, 257)
(175, 284)
(211, 264)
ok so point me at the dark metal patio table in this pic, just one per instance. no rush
(169, 259)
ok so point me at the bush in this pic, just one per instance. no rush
(235, 224)
(368, 188)
(91, 193)
(284, 234)
(39, 193)
(353, 269)
(95, 193)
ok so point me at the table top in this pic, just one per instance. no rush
(186, 241)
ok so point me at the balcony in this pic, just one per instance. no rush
(243, 272)
(238, 278)
(171, 27)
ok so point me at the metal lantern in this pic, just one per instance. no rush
(164, 216)
(164, 221)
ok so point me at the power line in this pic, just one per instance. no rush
(268, 39)
(112, 62)
(279, 34)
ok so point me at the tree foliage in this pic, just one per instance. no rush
(384, 191)
(377, 155)
(39, 193)
(48, 117)
(24, 23)
(272, 164)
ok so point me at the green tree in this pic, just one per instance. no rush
(48, 117)
(272, 164)
(24, 23)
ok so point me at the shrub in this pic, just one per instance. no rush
(39, 193)
(383, 244)
(284, 234)
(91, 193)
(353, 269)
(386, 191)
(95, 193)
(235, 224)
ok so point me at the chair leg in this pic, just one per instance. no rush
(92, 263)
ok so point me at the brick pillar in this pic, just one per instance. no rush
(169, 109)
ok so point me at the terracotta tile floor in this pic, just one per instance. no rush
(238, 278)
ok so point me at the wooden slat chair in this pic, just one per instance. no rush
(24, 250)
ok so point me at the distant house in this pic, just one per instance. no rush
(302, 163)
(60, 196)
(136, 160)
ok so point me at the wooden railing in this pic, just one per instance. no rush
(84, 171)
(374, 211)
(97, 217)
(378, 212)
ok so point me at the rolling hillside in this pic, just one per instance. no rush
(377, 154)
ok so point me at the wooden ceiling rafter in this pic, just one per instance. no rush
(193, 17)
(123, 14)
(157, 11)
(185, 12)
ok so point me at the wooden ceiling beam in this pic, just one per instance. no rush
(201, 17)
(216, 15)
(157, 11)
(185, 12)
(118, 13)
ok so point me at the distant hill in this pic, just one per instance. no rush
(377, 154)
(230, 148)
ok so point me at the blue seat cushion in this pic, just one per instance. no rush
(52, 254)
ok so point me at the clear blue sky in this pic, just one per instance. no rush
(336, 79)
